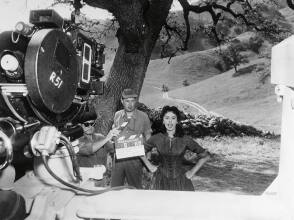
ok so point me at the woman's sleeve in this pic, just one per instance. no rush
(146, 126)
(193, 145)
(150, 143)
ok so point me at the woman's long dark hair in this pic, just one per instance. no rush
(179, 130)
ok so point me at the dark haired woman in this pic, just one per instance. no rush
(171, 144)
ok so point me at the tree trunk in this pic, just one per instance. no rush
(235, 67)
(127, 71)
(137, 36)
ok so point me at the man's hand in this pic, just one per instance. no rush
(45, 140)
(113, 133)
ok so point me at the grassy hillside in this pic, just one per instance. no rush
(243, 98)
(248, 98)
(194, 67)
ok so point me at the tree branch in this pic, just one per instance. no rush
(173, 29)
(103, 4)
(198, 9)
(163, 46)
(290, 4)
(188, 28)
(235, 15)
(214, 10)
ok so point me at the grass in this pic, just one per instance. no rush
(241, 97)
(242, 165)
(195, 66)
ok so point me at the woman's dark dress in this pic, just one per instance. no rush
(171, 173)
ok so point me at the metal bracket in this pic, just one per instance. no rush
(14, 89)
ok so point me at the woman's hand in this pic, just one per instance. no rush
(189, 174)
(153, 168)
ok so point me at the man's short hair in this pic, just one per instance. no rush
(129, 93)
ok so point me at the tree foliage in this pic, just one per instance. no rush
(186, 82)
(164, 88)
(206, 125)
(255, 43)
(232, 55)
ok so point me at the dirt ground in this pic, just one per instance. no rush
(244, 165)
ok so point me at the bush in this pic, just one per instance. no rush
(255, 43)
(232, 56)
(221, 66)
(164, 88)
(206, 125)
(186, 83)
(238, 30)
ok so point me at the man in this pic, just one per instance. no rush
(137, 123)
(94, 148)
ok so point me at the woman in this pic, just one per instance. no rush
(171, 144)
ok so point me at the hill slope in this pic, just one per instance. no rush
(245, 98)
(194, 67)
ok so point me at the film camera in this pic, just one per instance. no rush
(48, 72)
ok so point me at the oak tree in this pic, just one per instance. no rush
(140, 24)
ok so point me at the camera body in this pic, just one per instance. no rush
(48, 71)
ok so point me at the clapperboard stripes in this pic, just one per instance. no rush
(131, 146)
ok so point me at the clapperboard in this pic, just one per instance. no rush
(131, 146)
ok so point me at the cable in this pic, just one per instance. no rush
(92, 192)
(76, 169)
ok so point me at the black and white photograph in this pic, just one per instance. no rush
(146, 109)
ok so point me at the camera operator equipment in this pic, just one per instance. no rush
(48, 71)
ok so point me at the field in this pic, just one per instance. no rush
(242, 165)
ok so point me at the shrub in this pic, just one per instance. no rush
(232, 56)
(221, 66)
(255, 43)
(206, 125)
(186, 83)
(164, 88)
(238, 30)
